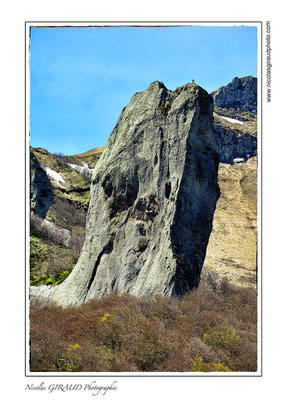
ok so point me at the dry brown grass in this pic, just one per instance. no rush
(232, 247)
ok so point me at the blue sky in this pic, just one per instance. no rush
(81, 78)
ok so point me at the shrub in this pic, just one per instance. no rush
(221, 367)
(211, 279)
(221, 336)
(49, 263)
(67, 214)
(47, 230)
(56, 279)
(69, 361)
(198, 365)
(149, 356)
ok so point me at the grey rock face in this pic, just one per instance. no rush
(153, 196)
(41, 192)
(240, 94)
(230, 145)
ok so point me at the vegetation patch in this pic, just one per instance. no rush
(165, 108)
(50, 263)
(203, 331)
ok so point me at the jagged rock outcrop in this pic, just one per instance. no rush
(153, 195)
(235, 119)
(232, 143)
(240, 94)
(41, 191)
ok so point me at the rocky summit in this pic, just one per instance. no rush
(153, 195)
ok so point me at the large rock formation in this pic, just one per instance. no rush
(240, 94)
(153, 196)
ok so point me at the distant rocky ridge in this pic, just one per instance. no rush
(232, 140)
(240, 94)
(235, 119)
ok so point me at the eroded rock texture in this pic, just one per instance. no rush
(153, 196)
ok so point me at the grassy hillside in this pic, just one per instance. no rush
(50, 255)
(232, 247)
(75, 188)
(89, 157)
(50, 262)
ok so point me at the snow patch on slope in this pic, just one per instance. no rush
(55, 176)
(232, 120)
(83, 170)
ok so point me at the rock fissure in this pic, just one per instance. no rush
(106, 250)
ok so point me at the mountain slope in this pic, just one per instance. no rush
(232, 248)
(59, 198)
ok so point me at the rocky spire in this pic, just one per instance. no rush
(153, 196)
